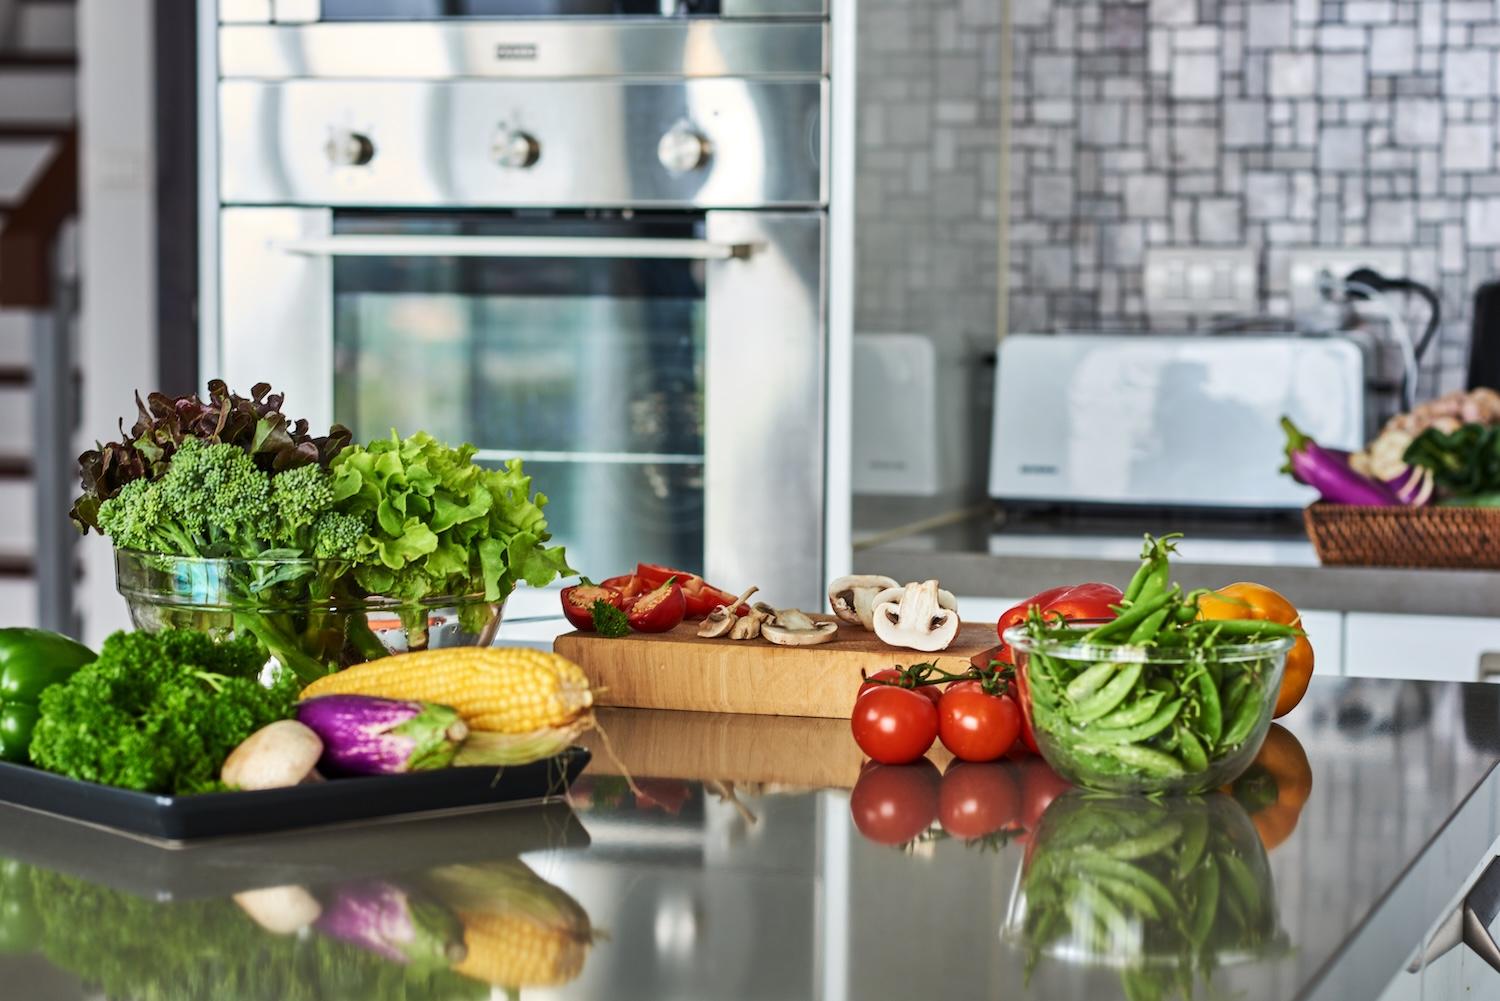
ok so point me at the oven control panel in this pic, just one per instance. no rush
(702, 143)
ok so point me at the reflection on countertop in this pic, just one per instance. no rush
(738, 857)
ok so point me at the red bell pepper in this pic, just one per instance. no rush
(701, 597)
(578, 602)
(1073, 602)
(659, 610)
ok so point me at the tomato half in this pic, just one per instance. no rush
(977, 726)
(933, 692)
(578, 603)
(894, 725)
(977, 799)
(892, 804)
(658, 610)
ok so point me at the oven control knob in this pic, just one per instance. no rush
(683, 148)
(516, 149)
(349, 149)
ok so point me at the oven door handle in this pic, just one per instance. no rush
(375, 245)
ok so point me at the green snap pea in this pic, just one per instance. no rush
(1129, 894)
(1210, 712)
(1156, 579)
(1191, 749)
(1132, 617)
(1147, 630)
(1138, 581)
(1147, 760)
(1134, 714)
(1244, 719)
(1087, 683)
(1234, 692)
(1245, 627)
(1108, 698)
(1149, 843)
(1241, 880)
(1100, 864)
(1194, 842)
(1205, 903)
(1141, 731)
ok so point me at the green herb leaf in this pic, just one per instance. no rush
(609, 621)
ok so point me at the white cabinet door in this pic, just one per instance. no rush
(1418, 647)
(1325, 631)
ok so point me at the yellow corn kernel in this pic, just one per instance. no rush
(513, 949)
(504, 689)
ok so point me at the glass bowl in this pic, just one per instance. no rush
(1114, 752)
(1151, 888)
(308, 614)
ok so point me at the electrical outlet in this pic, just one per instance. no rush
(1309, 267)
(1199, 282)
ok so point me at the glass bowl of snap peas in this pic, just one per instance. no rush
(1156, 700)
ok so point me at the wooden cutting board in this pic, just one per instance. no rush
(786, 751)
(680, 670)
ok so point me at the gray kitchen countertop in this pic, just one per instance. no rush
(742, 866)
(977, 555)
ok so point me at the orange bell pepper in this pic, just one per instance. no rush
(1276, 786)
(1255, 601)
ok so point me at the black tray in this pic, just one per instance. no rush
(173, 820)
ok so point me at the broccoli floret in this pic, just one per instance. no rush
(336, 535)
(299, 497)
(217, 493)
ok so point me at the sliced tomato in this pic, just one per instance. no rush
(658, 610)
(578, 603)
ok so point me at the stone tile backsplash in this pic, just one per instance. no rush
(1272, 123)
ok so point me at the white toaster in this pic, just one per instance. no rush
(1167, 420)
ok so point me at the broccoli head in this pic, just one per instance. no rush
(299, 497)
(218, 495)
(336, 535)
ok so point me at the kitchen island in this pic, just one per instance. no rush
(736, 868)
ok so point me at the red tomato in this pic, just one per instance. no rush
(894, 725)
(578, 603)
(659, 610)
(976, 726)
(933, 692)
(1040, 785)
(892, 804)
(978, 798)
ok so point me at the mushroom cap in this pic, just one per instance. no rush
(852, 597)
(821, 632)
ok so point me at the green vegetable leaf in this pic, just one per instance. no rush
(609, 621)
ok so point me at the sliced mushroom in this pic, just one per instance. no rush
(914, 617)
(722, 619)
(853, 598)
(793, 627)
(945, 598)
(748, 626)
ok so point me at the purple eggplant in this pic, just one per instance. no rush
(390, 921)
(1329, 473)
(363, 735)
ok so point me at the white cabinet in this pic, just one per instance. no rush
(1418, 647)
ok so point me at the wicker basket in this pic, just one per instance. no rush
(1449, 538)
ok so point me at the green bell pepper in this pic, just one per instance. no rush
(30, 661)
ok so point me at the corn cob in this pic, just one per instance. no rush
(514, 950)
(519, 929)
(506, 690)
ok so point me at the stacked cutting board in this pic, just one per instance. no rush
(681, 670)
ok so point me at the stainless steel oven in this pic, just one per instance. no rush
(596, 244)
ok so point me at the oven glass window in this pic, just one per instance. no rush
(367, 10)
(589, 369)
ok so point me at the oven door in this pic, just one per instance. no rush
(660, 373)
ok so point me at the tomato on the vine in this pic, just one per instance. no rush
(892, 804)
(894, 725)
(975, 725)
(893, 676)
(977, 799)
